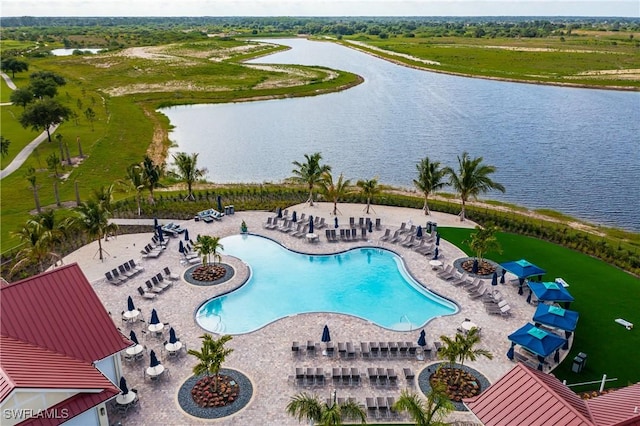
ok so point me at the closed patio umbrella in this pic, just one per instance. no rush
(422, 340)
(154, 317)
(494, 279)
(279, 213)
(155, 222)
(123, 385)
(326, 337)
(474, 268)
(438, 239)
(311, 224)
(219, 203)
(419, 231)
(336, 222)
(370, 226)
(294, 216)
(436, 253)
(133, 337)
(160, 234)
(181, 247)
(504, 272)
(172, 336)
(130, 305)
(154, 359)
(186, 235)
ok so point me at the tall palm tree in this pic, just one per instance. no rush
(308, 407)
(37, 243)
(369, 188)
(134, 181)
(206, 246)
(334, 190)
(437, 407)
(211, 356)
(188, 170)
(310, 172)
(152, 173)
(93, 218)
(104, 196)
(430, 179)
(471, 179)
(30, 175)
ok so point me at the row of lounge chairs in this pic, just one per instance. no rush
(363, 223)
(381, 407)
(189, 255)
(157, 284)
(123, 272)
(346, 235)
(350, 376)
(152, 251)
(351, 350)
(288, 225)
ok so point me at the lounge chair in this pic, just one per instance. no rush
(117, 275)
(160, 282)
(342, 235)
(412, 230)
(378, 224)
(123, 272)
(448, 273)
(321, 223)
(426, 249)
(303, 218)
(169, 275)
(268, 224)
(475, 288)
(152, 288)
(133, 264)
(111, 278)
(145, 294)
(479, 293)
(132, 270)
(386, 236)
(396, 237)
(458, 281)
(408, 242)
(363, 234)
(361, 222)
(403, 228)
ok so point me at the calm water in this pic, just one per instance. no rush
(69, 52)
(285, 283)
(572, 150)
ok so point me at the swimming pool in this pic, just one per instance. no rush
(369, 283)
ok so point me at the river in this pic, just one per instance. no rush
(573, 150)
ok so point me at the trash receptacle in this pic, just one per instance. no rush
(434, 227)
(429, 227)
(584, 359)
(232, 209)
(578, 364)
(226, 210)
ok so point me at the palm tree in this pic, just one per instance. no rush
(369, 189)
(438, 406)
(484, 240)
(104, 196)
(151, 173)
(430, 177)
(187, 170)
(461, 348)
(4, 146)
(93, 218)
(310, 172)
(206, 245)
(471, 179)
(37, 242)
(134, 181)
(211, 356)
(30, 175)
(334, 190)
(308, 407)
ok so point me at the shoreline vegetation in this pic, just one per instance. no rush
(154, 63)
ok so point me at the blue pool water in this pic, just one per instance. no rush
(369, 283)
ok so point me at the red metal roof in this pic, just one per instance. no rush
(29, 366)
(620, 407)
(59, 310)
(528, 397)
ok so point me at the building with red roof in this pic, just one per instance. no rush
(58, 351)
(528, 397)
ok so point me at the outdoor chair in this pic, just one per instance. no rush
(352, 222)
(396, 237)
(386, 236)
(321, 224)
(111, 279)
(134, 265)
(169, 275)
(123, 272)
(403, 228)
(378, 224)
(145, 294)
(327, 233)
(161, 283)
(152, 288)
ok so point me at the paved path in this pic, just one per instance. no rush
(27, 150)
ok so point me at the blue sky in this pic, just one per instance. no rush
(626, 8)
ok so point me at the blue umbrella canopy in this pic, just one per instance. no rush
(554, 316)
(550, 292)
(154, 317)
(294, 216)
(181, 247)
(219, 203)
(326, 337)
(311, 224)
(133, 337)
(494, 279)
(422, 340)
(523, 269)
(538, 341)
(130, 305)
(154, 359)
(419, 231)
(172, 336)
(123, 385)
(186, 235)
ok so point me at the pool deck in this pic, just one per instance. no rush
(265, 355)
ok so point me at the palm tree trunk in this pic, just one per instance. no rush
(462, 211)
(55, 192)
(138, 202)
(310, 199)
(36, 199)
(100, 247)
(426, 206)
(368, 203)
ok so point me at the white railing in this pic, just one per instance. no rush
(602, 382)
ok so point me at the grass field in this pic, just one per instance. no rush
(602, 294)
(592, 61)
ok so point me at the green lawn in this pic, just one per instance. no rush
(602, 292)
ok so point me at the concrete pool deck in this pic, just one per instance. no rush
(265, 355)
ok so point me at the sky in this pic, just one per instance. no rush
(620, 8)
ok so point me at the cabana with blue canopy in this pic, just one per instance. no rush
(540, 342)
(557, 317)
(551, 292)
(523, 269)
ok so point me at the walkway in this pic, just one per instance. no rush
(27, 150)
(265, 355)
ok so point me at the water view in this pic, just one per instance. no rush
(572, 150)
